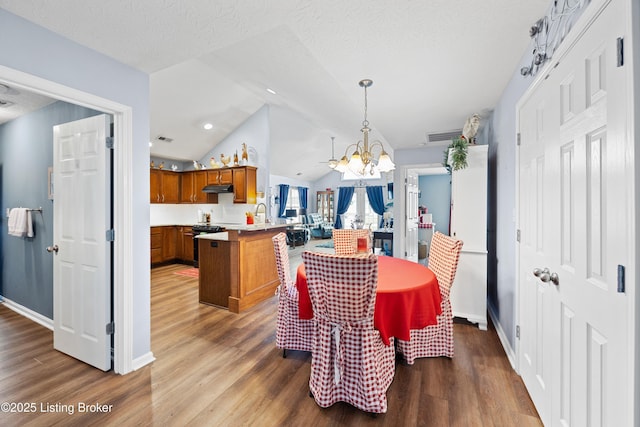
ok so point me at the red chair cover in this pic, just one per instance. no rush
(292, 333)
(436, 340)
(350, 362)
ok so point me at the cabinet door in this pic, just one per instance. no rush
(186, 187)
(187, 243)
(199, 181)
(155, 186)
(225, 176)
(170, 187)
(179, 243)
(239, 185)
(169, 235)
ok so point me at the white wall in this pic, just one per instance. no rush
(31, 49)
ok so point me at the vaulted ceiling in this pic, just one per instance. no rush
(434, 63)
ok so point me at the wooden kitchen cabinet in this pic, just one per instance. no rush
(169, 236)
(156, 245)
(220, 176)
(244, 184)
(171, 244)
(191, 187)
(187, 245)
(164, 186)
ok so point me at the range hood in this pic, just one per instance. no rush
(218, 188)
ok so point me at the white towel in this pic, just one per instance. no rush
(20, 224)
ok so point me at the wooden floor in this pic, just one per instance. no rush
(215, 368)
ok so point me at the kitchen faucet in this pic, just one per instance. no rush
(264, 211)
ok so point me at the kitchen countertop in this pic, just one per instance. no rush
(224, 235)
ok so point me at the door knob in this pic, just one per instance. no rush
(53, 248)
(554, 279)
(545, 277)
(539, 272)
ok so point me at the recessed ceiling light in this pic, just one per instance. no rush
(271, 91)
(207, 126)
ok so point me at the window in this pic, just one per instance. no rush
(360, 209)
(293, 199)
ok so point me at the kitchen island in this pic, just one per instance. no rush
(238, 266)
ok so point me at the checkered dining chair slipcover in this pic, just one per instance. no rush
(436, 340)
(350, 363)
(345, 240)
(292, 333)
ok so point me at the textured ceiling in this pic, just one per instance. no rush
(433, 63)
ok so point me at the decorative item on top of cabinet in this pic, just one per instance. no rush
(164, 186)
(324, 205)
(469, 224)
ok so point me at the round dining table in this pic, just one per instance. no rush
(407, 297)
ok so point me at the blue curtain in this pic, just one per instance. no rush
(282, 204)
(344, 200)
(302, 192)
(376, 200)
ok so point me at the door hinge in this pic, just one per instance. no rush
(518, 331)
(620, 51)
(109, 142)
(518, 139)
(518, 235)
(111, 235)
(621, 278)
(110, 328)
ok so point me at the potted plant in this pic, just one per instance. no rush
(455, 156)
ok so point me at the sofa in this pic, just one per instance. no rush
(319, 229)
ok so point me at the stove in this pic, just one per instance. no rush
(202, 229)
(206, 228)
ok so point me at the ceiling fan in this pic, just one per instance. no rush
(332, 163)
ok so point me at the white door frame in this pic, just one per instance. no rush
(123, 201)
(399, 199)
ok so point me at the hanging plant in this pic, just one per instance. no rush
(456, 153)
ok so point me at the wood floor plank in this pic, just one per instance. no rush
(213, 367)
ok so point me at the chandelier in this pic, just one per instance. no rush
(362, 162)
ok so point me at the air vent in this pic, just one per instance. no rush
(164, 139)
(4, 103)
(443, 136)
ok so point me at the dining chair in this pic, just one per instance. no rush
(349, 363)
(292, 333)
(436, 340)
(345, 240)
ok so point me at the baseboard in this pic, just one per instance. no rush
(143, 360)
(511, 355)
(28, 313)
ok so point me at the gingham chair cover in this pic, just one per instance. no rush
(436, 340)
(292, 333)
(350, 362)
(345, 240)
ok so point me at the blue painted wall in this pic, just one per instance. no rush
(26, 152)
(435, 195)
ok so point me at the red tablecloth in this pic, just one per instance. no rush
(408, 297)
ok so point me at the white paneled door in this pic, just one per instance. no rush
(411, 220)
(574, 212)
(81, 250)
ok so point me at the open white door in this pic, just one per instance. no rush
(81, 249)
(411, 219)
(575, 211)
